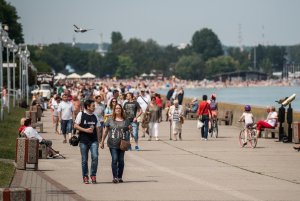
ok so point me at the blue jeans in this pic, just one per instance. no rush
(135, 130)
(84, 150)
(117, 162)
(66, 126)
(204, 129)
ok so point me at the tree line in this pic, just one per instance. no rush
(204, 57)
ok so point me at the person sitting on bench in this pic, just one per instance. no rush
(270, 122)
(193, 107)
(26, 130)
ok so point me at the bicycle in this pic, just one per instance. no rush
(214, 128)
(251, 136)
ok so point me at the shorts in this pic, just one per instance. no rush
(135, 130)
(66, 126)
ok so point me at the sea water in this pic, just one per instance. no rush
(256, 96)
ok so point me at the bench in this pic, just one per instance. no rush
(15, 193)
(225, 116)
(43, 151)
(267, 131)
(26, 153)
(192, 115)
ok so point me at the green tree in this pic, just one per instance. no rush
(241, 56)
(9, 17)
(294, 53)
(126, 68)
(207, 43)
(221, 64)
(266, 66)
(190, 67)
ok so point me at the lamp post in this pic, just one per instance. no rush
(27, 54)
(14, 50)
(1, 71)
(8, 46)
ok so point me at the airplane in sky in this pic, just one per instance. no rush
(80, 30)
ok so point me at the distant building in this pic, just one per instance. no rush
(240, 75)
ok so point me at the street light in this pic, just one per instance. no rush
(1, 70)
(14, 50)
(8, 44)
(27, 54)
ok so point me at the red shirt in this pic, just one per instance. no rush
(158, 102)
(21, 128)
(204, 108)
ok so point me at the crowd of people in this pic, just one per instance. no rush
(97, 110)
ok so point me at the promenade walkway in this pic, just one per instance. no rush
(217, 169)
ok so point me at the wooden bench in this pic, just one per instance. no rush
(192, 115)
(225, 116)
(265, 132)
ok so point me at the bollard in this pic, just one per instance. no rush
(296, 132)
(27, 152)
(15, 194)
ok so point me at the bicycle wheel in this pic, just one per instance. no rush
(242, 138)
(214, 129)
(252, 138)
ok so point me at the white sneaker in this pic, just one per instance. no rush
(205, 139)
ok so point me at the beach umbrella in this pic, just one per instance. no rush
(60, 76)
(144, 75)
(74, 76)
(88, 76)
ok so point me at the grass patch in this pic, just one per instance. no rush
(6, 174)
(9, 132)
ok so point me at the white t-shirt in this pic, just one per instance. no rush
(272, 118)
(248, 118)
(54, 106)
(144, 102)
(78, 118)
(32, 133)
(66, 109)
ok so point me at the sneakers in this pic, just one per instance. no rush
(55, 155)
(157, 139)
(120, 180)
(115, 180)
(93, 179)
(137, 148)
(86, 180)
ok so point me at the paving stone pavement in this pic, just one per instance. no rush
(217, 169)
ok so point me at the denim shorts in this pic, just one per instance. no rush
(66, 126)
(135, 130)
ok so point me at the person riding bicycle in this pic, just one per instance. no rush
(247, 118)
(214, 109)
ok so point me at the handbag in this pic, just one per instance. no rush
(124, 144)
(200, 124)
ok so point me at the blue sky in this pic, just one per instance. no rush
(269, 22)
